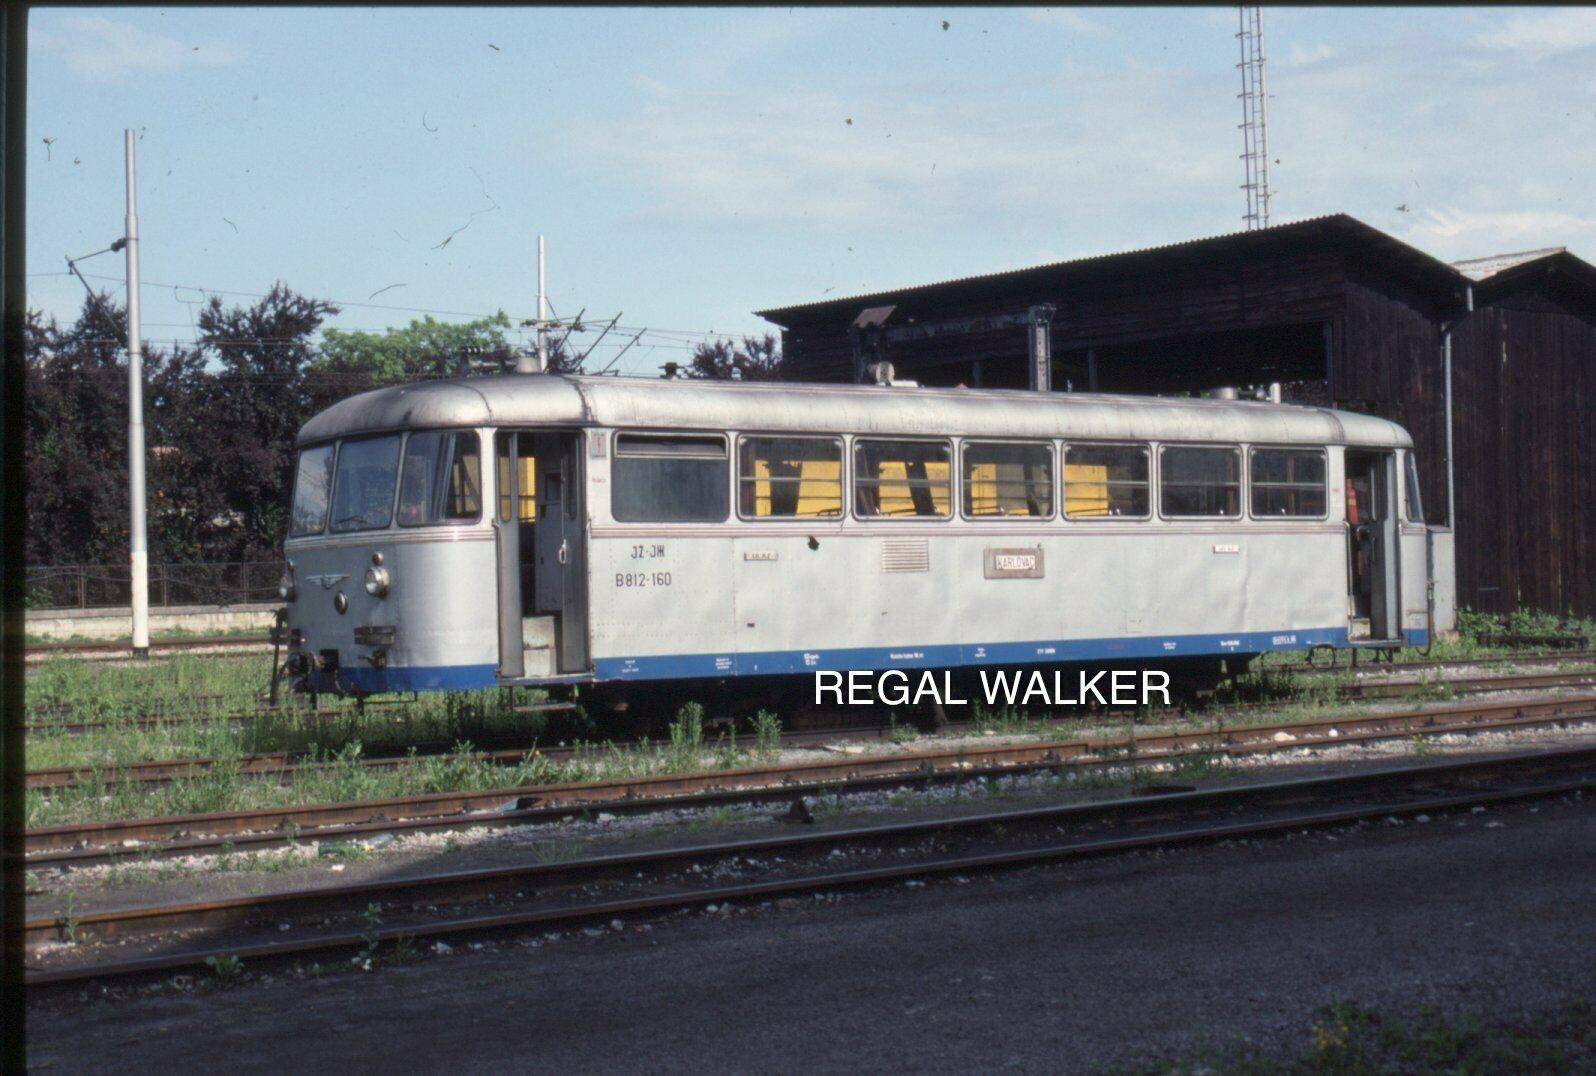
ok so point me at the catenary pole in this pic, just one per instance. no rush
(138, 555)
(543, 314)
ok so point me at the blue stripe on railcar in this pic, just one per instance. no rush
(406, 678)
(788, 662)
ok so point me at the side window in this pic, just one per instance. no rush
(1005, 480)
(1106, 481)
(463, 500)
(312, 490)
(1199, 481)
(661, 479)
(1415, 505)
(789, 477)
(442, 478)
(1288, 482)
(902, 479)
(526, 473)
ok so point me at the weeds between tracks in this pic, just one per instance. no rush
(213, 691)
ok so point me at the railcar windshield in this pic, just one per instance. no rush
(442, 481)
(312, 486)
(363, 487)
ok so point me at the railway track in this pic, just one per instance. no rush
(1394, 689)
(283, 766)
(286, 766)
(366, 915)
(252, 830)
(162, 718)
(1544, 657)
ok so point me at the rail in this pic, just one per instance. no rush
(649, 883)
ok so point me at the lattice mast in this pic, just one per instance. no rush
(1254, 117)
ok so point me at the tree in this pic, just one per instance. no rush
(76, 459)
(425, 348)
(76, 454)
(262, 392)
(758, 359)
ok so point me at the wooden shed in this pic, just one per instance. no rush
(1524, 427)
(1336, 311)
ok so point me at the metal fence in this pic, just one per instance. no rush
(98, 586)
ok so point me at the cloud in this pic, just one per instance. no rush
(1558, 30)
(1453, 228)
(1072, 20)
(911, 159)
(105, 50)
(1301, 56)
(1485, 152)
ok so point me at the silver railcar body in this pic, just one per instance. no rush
(578, 595)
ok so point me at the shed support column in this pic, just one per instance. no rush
(1041, 334)
(866, 351)
(1329, 363)
(1446, 390)
(1446, 383)
(1091, 369)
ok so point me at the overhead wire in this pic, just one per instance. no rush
(644, 338)
(478, 315)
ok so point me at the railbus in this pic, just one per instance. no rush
(601, 533)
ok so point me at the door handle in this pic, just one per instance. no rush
(565, 551)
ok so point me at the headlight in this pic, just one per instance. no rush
(285, 586)
(376, 582)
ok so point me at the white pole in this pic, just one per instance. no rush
(1264, 193)
(138, 556)
(543, 315)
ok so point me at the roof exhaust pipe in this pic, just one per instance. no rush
(884, 375)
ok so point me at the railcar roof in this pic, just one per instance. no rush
(784, 406)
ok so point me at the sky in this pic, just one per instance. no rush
(689, 166)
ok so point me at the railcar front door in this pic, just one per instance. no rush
(542, 554)
(560, 544)
(1374, 599)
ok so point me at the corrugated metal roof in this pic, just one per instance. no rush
(1340, 221)
(1480, 268)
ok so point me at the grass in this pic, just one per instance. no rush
(156, 636)
(100, 793)
(767, 735)
(1347, 1039)
(687, 737)
(1466, 644)
(209, 688)
(227, 967)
